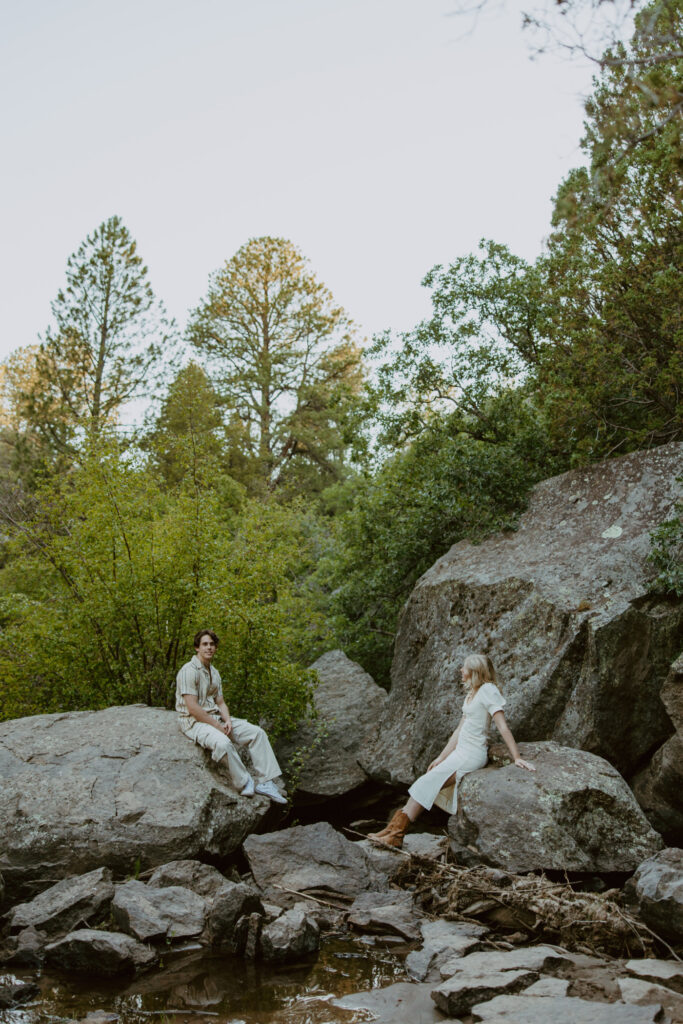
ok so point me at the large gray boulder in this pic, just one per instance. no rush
(656, 889)
(659, 786)
(573, 813)
(348, 704)
(120, 788)
(562, 607)
(66, 904)
(311, 857)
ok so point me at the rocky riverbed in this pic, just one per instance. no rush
(135, 882)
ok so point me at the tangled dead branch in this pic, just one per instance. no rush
(542, 909)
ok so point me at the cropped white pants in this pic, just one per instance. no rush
(243, 734)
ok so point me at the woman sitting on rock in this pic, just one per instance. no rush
(466, 750)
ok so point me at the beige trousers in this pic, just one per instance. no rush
(243, 734)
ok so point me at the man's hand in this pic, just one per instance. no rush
(227, 726)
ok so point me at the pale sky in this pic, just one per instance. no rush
(380, 136)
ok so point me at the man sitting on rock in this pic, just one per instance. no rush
(204, 717)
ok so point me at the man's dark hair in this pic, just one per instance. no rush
(204, 632)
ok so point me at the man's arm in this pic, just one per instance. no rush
(225, 715)
(200, 715)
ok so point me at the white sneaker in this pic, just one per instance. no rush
(248, 789)
(270, 789)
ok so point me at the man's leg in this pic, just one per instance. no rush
(255, 738)
(221, 747)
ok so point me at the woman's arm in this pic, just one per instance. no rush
(509, 740)
(448, 749)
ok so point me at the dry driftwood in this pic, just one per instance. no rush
(546, 910)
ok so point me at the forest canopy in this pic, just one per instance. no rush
(292, 480)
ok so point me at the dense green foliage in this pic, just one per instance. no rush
(109, 577)
(288, 490)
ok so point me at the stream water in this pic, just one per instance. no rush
(196, 987)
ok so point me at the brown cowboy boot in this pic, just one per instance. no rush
(393, 834)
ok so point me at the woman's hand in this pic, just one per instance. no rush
(521, 763)
(434, 763)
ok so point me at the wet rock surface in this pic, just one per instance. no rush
(110, 788)
(574, 813)
(656, 889)
(563, 608)
(401, 1003)
(348, 704)
(17, 993)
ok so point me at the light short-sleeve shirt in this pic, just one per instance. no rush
(204, 684)
(477, 714)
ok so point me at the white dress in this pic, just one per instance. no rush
(470, 753)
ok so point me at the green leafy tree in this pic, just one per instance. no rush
(191, 426)
(111, 576)
(287, 362)
(106, 341)
(611, 379)
(488, 325)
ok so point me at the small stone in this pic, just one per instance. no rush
(391, 912)
(459, 994)
(289, 938)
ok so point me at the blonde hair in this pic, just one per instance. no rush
(482, 671)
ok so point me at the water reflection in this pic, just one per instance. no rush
(204, 987)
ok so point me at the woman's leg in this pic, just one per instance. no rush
(413, 809)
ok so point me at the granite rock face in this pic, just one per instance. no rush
(562, 607)
(349, 704)
(85, 789)
(657, 891)
(573, 813)
(311, 857)
(659, 786)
